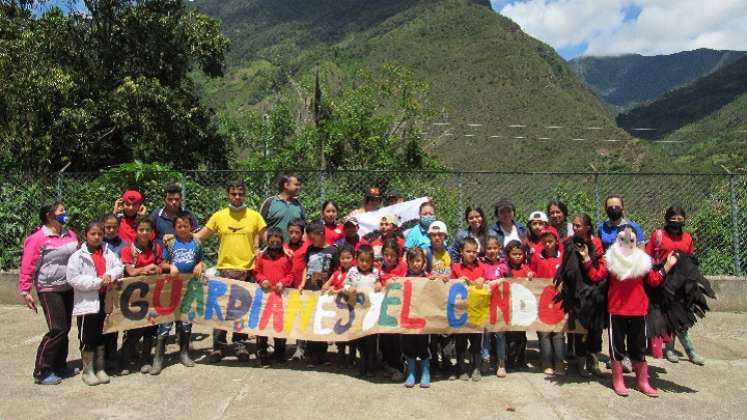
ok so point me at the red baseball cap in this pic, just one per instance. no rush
(550, 230)
(132, 196)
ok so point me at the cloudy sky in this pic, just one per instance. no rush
(612, 27)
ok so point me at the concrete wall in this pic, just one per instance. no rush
(731, 292)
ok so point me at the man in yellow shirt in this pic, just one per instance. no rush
(239, 231)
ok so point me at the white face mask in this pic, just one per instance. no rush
(237, 208)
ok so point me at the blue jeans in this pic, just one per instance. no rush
(181, 326)
(500, 345)
(552, 346)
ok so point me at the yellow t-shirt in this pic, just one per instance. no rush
(236, 232)
(441, 263)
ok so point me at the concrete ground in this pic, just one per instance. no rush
(230, 390)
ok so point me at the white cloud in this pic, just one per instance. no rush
(661, 27)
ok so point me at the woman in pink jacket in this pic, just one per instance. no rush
(43, 265)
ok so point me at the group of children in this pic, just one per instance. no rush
(330, 257)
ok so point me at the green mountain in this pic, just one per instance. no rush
(505, 101)
(707, 117)
(629, 80)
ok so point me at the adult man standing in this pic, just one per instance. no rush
(239, 231)
(163, 218)
(608, 230)
(280, 209)
(371, 202)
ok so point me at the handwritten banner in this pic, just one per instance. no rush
(406, 306)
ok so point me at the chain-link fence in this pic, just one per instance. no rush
(716, 203)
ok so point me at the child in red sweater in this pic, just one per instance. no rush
(627, 268)
(516, 267)
(274, 272)
(345, 260)
(471, 271)
(296, 247)
(392, 266)
(545, 264)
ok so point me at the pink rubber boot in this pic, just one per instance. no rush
(641, 374)
(618, 383)
(655, 346)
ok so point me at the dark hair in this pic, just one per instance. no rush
(559, 204)
(284, 179)
(298, 222)
(413, 253)
(183, 215)
(236, 185)
(365, 250)
(327, 203)
(393, 245)
(610, 197)
(493, 238)
(47, 209)
(274, 231)
(469, 240)
(145, 219)
(469, 210)
(514, 244)
(315, 228)
(585, 218)
(426, 204)
(173, 189)
(109, 216)
(674, 211)
(93, 225)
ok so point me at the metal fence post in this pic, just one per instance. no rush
(735, 225)
(597, 198)
(59, 186)
(183, 181)
(460, 195)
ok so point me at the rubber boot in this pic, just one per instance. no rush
(460, 371)
(618, 382)
(184, 338)
(627, 365)
(99, 364)
(425, 375)
(656, 347)
(147, 347)
(501, 371)
(669, 353)
(592, 364)
(581, 367)
(410, 375)
(128, 349)
(157, 366)
(687, 343)
(476, 375)
(641, 374)
(88, 374)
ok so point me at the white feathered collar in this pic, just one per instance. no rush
(625, 267)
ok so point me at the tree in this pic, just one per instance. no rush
(107, 85)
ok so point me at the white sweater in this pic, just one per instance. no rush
(81, 275)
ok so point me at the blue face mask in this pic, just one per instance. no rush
(62, 218)
(425, 221)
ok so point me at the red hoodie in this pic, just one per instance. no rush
(472, 271)
(388, 272)
(278, 270)
(333, 232)
(298, 261)
(338, 279)
(660, 244)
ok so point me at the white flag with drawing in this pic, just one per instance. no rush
(408, 214)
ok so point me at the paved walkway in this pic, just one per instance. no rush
(232, 391)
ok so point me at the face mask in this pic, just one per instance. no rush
(425, 221)
(614, 213)
(274, 250)
(62, 218)
(675, 226)
(237, 208)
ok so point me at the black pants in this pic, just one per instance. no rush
(278, 345)
(367, 348)
(475, 343)
(220, 337)
(391, 350)
(628, 337)
(586, 344)
(91, 328)
(416, 346)
(51, 356)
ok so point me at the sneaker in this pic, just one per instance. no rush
(243, 355)
(51, 379)
(215, 356)
(547, 369)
